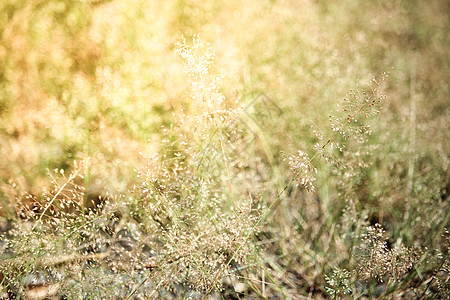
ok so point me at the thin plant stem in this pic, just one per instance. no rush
(71, 177)
(230, 186)
(267, 211)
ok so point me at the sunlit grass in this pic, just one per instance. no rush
(196, 122)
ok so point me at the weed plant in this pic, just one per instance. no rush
(184, 169)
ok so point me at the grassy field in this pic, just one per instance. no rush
(189, 149)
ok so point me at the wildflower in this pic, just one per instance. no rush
(198, 59)
(303, 169)
(378, 261)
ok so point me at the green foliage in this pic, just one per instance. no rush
(223, 163)
(339, 282)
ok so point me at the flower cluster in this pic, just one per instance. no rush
(356, 106)
(304, 171)
(378, 261)
(198, 59)
(339, 282)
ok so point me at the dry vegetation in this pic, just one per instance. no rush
(224, 149)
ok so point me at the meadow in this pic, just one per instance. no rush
(187, 149)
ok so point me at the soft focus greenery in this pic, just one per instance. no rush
(102, 84)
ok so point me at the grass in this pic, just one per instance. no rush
(224, 149)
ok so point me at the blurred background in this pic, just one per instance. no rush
(97, 79)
